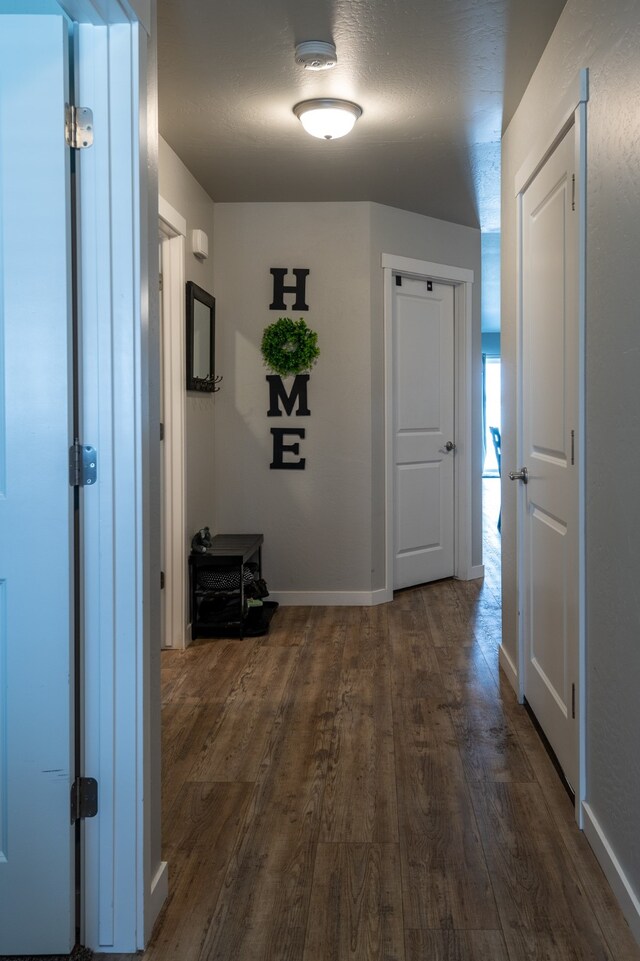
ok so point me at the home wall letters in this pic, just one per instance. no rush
(277, 391)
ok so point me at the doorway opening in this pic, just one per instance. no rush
(491, 415)
(491, 469)
(461, 280)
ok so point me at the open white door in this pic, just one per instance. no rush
(550, 537)
(423, 402)
(37, 912)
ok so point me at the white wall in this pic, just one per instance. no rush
(605, 38)
(179, 188)
(324, 526)
(316, 521)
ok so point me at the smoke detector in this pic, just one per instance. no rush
(316, 55)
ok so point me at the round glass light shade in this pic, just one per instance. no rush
(327, 119)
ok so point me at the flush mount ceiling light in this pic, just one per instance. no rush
(316, 55)
(327, 119)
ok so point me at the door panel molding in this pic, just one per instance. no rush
(462, 280)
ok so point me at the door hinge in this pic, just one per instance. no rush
(161, 580)
(84, 798)
(573, 191)
(161, 431)
(573, 447)
(573, 700)
(160, 282)
(83, 465)
(78, 126)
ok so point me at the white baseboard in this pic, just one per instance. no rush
(331, 598)
(472, 573)
(157, 897)
(509, 668)
(181, 642)
(382, 596)
(620, 885)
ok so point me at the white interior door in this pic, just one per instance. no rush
(549, 426)
(36, 669)
(423, 401)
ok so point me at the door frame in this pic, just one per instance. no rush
(124, 883)
(173, 230)
(570, 112)
(461, 279)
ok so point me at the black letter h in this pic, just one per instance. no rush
(279, 289)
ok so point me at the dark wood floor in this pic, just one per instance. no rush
(361, 784)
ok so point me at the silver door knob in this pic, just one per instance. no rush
(449, 445)
(522, 475)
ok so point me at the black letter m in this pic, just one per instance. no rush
(278, 392)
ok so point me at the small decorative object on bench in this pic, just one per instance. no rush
(201, 541)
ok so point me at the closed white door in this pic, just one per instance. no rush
(36, 609)
(550, 420)
(424, 448)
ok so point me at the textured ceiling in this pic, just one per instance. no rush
(438, 80)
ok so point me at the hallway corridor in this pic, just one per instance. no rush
(361, 784)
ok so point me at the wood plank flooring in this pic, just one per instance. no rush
(361, 785)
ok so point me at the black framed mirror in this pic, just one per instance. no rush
(201, 351)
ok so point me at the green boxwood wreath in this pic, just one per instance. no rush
(289, 346)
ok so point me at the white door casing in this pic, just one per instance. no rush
(163, 482)
(423, 385)
(550, 429)
(461, 279)
(37, 910)
(122, 877)
(173, 230)
(125, 881)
